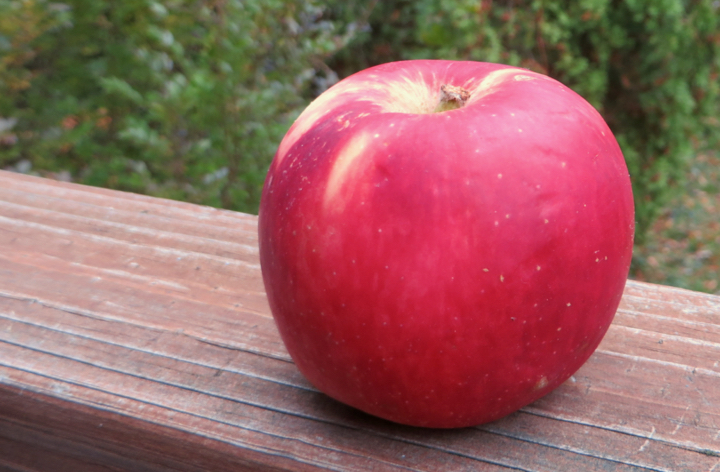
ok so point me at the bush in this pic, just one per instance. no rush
(189, 99)
(180, 99)
(651, 67)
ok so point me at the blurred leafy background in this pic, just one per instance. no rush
(188, 99)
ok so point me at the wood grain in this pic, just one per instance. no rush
(135, 335)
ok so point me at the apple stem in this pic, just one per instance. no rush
(451, 98)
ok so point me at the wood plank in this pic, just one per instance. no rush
(135, 335)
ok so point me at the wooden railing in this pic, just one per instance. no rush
(135, 335)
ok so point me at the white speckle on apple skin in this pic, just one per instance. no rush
(542, 383)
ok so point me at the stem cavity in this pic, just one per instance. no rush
(451, 98)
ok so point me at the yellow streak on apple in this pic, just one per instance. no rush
(406, 95)
(340, 170)
(493, 80)
(319, 107)
(409, 95)
(412, 95)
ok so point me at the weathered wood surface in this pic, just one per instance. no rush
(135, 335)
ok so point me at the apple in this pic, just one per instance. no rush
(443, 242)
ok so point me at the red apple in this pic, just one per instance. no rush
(445, 242)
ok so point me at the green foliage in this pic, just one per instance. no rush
(651, 67)
(683, 247)
(181, 99)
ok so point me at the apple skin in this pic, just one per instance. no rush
(445, 269)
